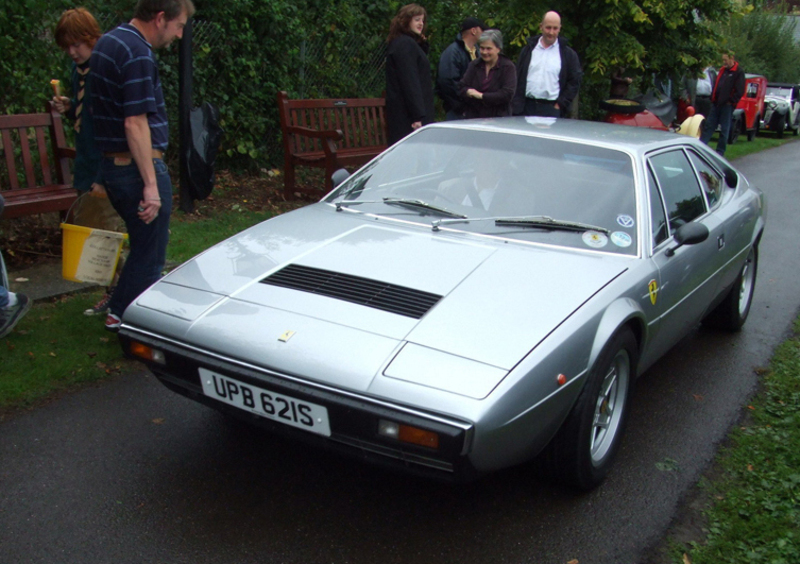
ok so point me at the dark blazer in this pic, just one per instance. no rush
(409, 87)
(498, 93)
(453, 64)
(569, 79)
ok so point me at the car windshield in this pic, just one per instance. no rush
(779, 91)
(502, 184)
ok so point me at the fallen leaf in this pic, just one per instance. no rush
(750, 407)
(686, 559)
(20, 280)
(698, 397)
(159, 421)
(575, 561)
(749, 467)
(103, 339)
(52, 354)
(91, 354)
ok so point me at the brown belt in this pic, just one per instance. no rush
(127, 155)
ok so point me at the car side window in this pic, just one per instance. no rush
(658, 219)
(676, 178)
(752, 90)
(710, 179)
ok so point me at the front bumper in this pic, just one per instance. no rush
(353, 417)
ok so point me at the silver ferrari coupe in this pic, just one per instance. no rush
(482, 293)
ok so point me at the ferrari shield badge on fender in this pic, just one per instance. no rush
(288, 335)
(652, 288)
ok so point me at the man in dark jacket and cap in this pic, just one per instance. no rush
(548, 73)
(728, 90)
(453, 64)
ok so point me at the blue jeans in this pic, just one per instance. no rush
(148, 242)
(722, 116)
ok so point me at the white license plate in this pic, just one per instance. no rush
(278, 407)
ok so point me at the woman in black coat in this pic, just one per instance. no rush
(409, 86)
(490, 81)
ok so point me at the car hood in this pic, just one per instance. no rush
(777, 99)
(316, 292)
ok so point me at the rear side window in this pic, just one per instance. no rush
(710, 179)
(678, 183)
(658, 219)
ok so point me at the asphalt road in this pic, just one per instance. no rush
(127, 472)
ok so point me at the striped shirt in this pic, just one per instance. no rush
(126, 83)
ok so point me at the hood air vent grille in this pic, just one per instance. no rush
(363, 291)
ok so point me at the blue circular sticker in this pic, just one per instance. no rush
(621, 239)
(625, 220)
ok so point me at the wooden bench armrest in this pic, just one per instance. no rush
(67, 152)
(335, 134)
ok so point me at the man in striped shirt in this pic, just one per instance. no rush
(131, 131)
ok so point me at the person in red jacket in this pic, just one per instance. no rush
(728, 89)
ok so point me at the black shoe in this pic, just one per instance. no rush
(10, 315)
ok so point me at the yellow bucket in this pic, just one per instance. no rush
(90, 255)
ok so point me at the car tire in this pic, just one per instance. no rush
(796, 127)
(583, 450)
(780, 127)
(751, 134)
(731, 314)
(736, 129)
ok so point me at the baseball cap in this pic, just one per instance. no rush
(471, 22)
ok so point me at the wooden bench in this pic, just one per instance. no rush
(43, 182)
(329, 134)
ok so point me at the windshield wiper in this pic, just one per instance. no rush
(408, 202)
(422, 204)
(526, 221)
(549, 223)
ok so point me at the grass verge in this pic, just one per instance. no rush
(755, 513)
(55, 346)
(743, 147)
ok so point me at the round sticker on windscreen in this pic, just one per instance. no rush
(625, 220)
(621, 239)
(595, 239)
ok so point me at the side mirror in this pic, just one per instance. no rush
(339, 176)
(688, 234)
(731, 178)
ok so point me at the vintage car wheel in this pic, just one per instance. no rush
(731, 314)
(584, 449)
(751, 134)
(736, 129)
(621, 106)
(781, 127)
(796, 128)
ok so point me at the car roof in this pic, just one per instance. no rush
(783, 84)
(622, 137)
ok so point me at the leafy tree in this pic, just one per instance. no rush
(647, 37)
(763, 40)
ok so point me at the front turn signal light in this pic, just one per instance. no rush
(408, 434)
(147, 352)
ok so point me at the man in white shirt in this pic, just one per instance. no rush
(548, 73)
(697, 91)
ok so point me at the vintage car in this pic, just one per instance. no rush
(782, 108)
(749, 111)
(482, 292)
